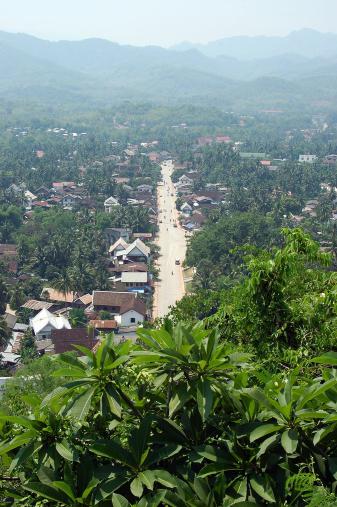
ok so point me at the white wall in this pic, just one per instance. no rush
(125, 319)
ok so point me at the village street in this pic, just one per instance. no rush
(172, 243)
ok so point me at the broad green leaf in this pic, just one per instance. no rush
(16, 442)
(215, 468)
(81, 404)
(165, 478)
(136, 487)
(48, 491)
(139, 439)
(212, 453)
(63, 486)
(30, 424)
(266, 444)
(314, 391)
(329, 358)
(204, 398)
(164, 452)
(71, 360)
(263, 430)
(119, 501)
(106, 488)
(148, 478)
(289, 441)
(114, 400)
(68, 372)
(113, 450)
(65, 451)
(261, 485)
(178, 400)
(23, 455)
(333, 467)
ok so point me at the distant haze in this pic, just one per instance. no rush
(162, 22)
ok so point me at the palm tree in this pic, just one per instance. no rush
(64, 283)
(5, 334)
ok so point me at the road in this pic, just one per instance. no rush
(172, 243)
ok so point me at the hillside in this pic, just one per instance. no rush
(97, 72)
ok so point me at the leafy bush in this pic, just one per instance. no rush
(180, 419)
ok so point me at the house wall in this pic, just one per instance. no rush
(45, 333)
(130, 318)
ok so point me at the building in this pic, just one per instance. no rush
(118, 246)
(110, 204)
(45, 322)
(104, 326)
(126, 308)
(308, 159)
(135, 252)
(65, 340)
(112, 234)
(186, 209)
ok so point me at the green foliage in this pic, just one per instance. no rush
(28, 349)
(176, 420)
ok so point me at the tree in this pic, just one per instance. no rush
(5, 333)
(3, 297)
(28, 349)
(17, 297)
(77, 317)
(178, 420)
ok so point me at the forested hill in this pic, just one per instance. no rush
(97, 71)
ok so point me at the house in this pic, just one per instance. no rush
(223, 139)
(29, 198)
(252, 156)
(71, 200)
(41, 204)
(145, 188)
(184, 180)
(136, 252)
(112, 234)
(205, 140)
(309, 159)
(126, 307)
(83, 301)
(36, 306)
(118, 246)
(45, 322)
(60, 186)
(136, 267)
(143, 235)
(330, 159)
(58, 296)
(110, 204)
(9, 257)
(65, 340)
(131, 281)
(154, 156)
(104, 326)
(186, 209)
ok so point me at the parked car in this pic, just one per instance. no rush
(177, 262)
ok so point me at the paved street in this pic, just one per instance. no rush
(172, 243)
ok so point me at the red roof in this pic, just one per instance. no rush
(64, 340)
(103, 324)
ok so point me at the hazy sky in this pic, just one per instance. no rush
(164, 22)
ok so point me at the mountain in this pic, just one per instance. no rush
(307, 43)
(96, 72)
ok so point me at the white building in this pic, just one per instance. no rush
(308, 159)
(45, 322)
(110, 204)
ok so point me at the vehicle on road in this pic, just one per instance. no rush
(177, 262)
(175, 225)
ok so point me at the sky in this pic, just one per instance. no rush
(164, 22)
